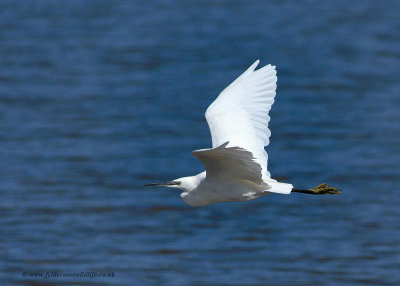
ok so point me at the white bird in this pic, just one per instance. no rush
(236, 165)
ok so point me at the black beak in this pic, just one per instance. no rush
(165, 184)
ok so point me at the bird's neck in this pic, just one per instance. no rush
(201, 176)
(195, 195)
(197, 180)
(189, 184)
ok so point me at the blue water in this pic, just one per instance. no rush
(98, 98)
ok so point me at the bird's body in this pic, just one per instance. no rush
(209, 192)
(236, 165)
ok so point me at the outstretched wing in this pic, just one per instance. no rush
(231, 162)
(240, 113)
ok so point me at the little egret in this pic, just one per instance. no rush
(236, 165)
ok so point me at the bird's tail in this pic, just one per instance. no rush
(280, 188)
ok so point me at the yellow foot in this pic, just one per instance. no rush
(324, 189)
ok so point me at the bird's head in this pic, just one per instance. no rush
(185, 183)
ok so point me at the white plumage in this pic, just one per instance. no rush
(240, 113)
(236, 165)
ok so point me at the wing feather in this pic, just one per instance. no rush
(229, 163)
(240, 113)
